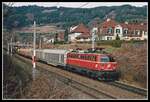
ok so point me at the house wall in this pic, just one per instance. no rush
(107, 38)
(138, 37)
(51, 40)
(82, 40)
(71, 37)
(120, 34)
(144, 35)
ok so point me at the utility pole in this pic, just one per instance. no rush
(40, 45)
(93, 37)
(8, 49)
(41, 41)
(34, 52)
(11, 47)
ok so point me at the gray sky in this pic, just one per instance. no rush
(78, 4)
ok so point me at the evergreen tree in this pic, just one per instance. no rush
(66, 35)
(117, 37)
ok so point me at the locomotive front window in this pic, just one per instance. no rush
(111, 59)
(105, 59)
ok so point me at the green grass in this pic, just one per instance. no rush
(111, 49)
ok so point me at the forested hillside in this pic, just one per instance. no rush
(23, 16)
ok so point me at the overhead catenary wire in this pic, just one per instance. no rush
(83, 5)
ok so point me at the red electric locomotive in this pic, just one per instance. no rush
(99, 66)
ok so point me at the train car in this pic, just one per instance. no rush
(40, 55)
(52, 56)
(25, 52)
(99, 66)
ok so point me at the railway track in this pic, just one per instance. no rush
(81, 86)
(94, 88)
(97, 94)
(131, 88)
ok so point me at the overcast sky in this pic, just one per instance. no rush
(79, 4)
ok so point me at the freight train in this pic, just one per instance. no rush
(94, 65)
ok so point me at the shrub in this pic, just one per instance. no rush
(132, 63)
(113, 43)
(117, 37)
(117, 43)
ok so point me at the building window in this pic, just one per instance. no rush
(110, 30)
(125, 31)
(145, 33)
(137, 32)
(109, 38)
(117, 30)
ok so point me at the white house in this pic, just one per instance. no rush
(79, 33)
(72, 36)
(118, 31)
(109, 29)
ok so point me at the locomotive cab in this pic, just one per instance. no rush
(107, 68)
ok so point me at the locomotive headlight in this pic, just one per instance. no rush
(109, 65)
(102, 66)
(96, 65)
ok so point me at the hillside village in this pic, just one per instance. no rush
(121, 32)
(107, 30)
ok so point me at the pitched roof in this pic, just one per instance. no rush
(81, 28)
(134, 26)
(109, 23)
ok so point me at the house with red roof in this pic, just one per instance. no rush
(135, 31)
(79, 33)
(109, 29)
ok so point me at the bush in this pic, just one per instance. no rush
(117, 37)
(140, 75)
(113, 43)
(104, 42)
(117, 43)
(132, 63)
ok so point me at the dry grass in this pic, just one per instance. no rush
(46, 88)
(132, 63)
(10, 81)
(15, 85)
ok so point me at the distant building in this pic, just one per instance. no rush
(58, 36)
(109, 29)
(61, 36)
(48, 33)
(79, 33)
(134, 31)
